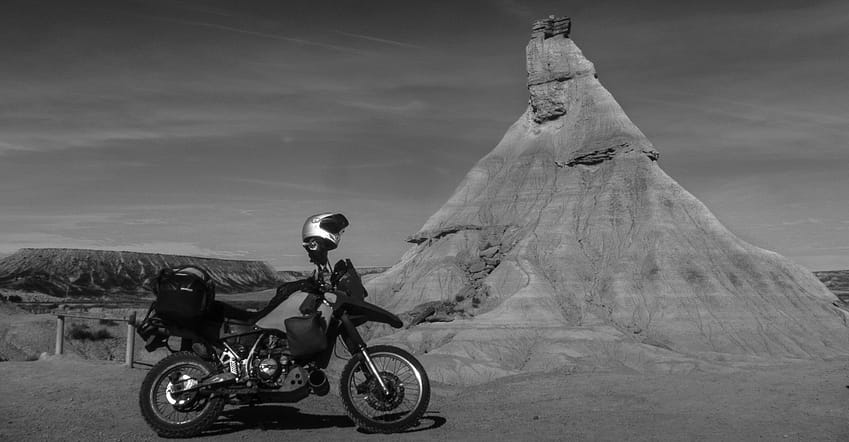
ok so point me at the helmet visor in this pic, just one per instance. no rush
(334, 224)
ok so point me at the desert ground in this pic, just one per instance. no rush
(64, 398)
(72, 398)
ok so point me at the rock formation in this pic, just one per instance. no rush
(837, 281)
(568, 246)
(75, 272)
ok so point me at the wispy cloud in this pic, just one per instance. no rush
(411, 106)
(794, 223)
(373, 165)
(380, 40)
(311, 187)
(146, 222)
(243, 31)
(187, 6)
(65, 138)
(7, 147)
(149, 120)
(744, 110)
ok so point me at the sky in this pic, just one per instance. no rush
(214, 128)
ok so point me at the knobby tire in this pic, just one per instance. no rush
(357, 413)
(157, 375)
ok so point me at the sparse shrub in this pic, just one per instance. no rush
(77, 331)
(459, 297)
(476, 302)
(83, 332)
(102, 334)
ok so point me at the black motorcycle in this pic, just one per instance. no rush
(234, 356)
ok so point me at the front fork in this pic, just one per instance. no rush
(356, 343)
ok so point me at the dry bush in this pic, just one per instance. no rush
(83, 332)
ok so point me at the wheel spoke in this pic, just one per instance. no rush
(166, 405)
(403, 381)
(398, 403)
(164, 408)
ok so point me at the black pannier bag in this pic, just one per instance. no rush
(306, 335)
(183, 295)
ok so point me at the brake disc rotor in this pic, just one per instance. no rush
(174, 389)
(380, 401)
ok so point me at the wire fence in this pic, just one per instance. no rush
(131, 331)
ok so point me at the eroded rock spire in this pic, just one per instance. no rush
(567, 246)
(552, 60)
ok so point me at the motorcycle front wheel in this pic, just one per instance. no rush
(167, 407)
(373, 409)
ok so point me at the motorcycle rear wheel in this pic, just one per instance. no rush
(365, 401)
(172, 413)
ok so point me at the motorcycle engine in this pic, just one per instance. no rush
(268, 370)
(270, 364)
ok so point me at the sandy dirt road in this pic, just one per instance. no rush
(66, 399)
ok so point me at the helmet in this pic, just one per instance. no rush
(324, 230)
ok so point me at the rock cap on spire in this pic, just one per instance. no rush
(551, 26)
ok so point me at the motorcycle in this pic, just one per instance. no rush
(265, 357)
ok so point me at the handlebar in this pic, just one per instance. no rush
(326, 281)
(325, 287)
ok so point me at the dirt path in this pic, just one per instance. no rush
(62, 399)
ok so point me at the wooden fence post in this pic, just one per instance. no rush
(60, 334)
(131, 338)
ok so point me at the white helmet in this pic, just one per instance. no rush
(326, 228)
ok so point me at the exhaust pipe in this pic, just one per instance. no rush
(318, 382)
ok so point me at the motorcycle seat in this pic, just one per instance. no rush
(227, 311)
(222, 310)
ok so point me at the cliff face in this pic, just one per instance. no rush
(568, 245)
(75, 272)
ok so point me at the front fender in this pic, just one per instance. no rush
(370, 312)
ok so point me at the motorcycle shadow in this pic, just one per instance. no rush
(426, 422)
(282, 417)
(274, 417)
